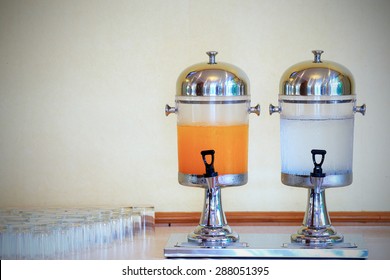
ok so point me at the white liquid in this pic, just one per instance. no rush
(299, 137)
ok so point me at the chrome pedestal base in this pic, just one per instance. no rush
(322, 236)
(213, 229)
(210, 236)
(316, 228)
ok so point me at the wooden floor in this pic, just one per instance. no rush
(150, 245)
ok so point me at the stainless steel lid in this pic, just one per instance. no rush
(212, 79)
(317, 77)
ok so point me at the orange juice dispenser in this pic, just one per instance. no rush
(212, 105)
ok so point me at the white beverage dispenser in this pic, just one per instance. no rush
(317, 106)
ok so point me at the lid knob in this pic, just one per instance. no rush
(212, 55)
(317, 56)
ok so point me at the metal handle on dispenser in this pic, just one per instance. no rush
(274, 109)
(169, 110)
(255, 110)
(360, 109)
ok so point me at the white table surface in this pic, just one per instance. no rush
(151, 244)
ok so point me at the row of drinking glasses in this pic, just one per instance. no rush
(58, 233)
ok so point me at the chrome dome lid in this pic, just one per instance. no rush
(212, 79)
(317, 77)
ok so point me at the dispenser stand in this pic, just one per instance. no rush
(316, 231)
(316, 228)
(213, 234)
(213, 228)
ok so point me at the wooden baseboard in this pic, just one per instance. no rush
(274, 218)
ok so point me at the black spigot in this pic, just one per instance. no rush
(317, 170)
(210, 172)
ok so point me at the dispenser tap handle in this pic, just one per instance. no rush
(317, 170)
(210, 172)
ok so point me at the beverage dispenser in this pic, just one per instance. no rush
(317, 106)
(212, 105)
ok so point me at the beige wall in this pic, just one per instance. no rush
(83, 85)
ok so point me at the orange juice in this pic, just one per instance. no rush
(229, 142)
